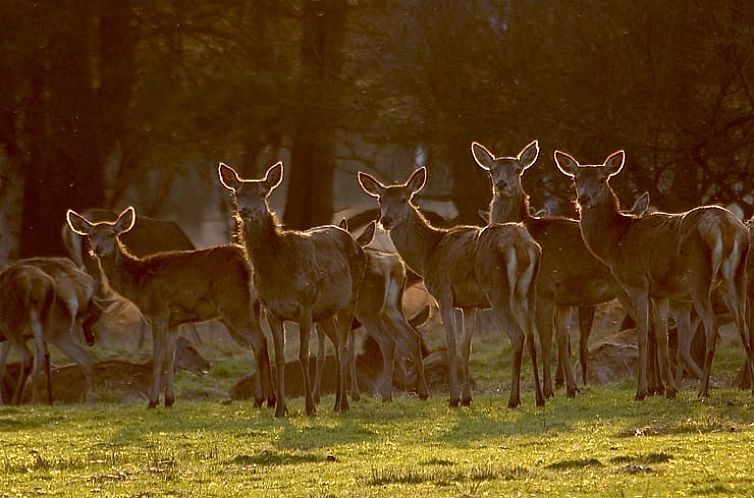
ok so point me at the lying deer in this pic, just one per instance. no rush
(177, 287)
(664, 257)
(308, 277)
(466, 268)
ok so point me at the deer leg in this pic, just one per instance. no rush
(171, 338)
(67, 343)
(278, 338)
(466, 327)
(320, 366)
(343, 330)
(159, 346)
(563, 318)
(640, 305)
(40, 349)
(448, 313)
(516, 336)
(249, 333)
(26, 366)
(355, 393)
(661, 332)
(685, 337)
(4, 351)
(305, 328)
(586, 320)
(409, 344)
(545, 318)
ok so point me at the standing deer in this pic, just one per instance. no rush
(380, 311)
(150, 236)
(27, 294)
(177, 287)
(466, 268)
(73, 313)
(570, 277)
(664, 257)
(307, 277)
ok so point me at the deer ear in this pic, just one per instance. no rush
(367, 235)
(370, 185)
(343, 223)
(614, 163)
(274, 176)
(77, 223)
(228, 177)
(417, 180)
(641, 204)
(125, 221)
(566, 164)
(528, 155)
(482, 156)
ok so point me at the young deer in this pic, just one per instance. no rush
(177, 287)
(380, 311)
(569, 276)
(466, 268)
(308, 277)
(662, 257)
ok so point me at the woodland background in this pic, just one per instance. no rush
(105, 103)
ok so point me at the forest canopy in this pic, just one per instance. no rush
(103, 96)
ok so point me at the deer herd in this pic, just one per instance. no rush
(531, 272)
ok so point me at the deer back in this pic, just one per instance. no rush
(322, 267)
(191, 284)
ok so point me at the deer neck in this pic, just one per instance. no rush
(510, 209)
(603, 227)
(262, 235)
(119, 268)
(415, 239)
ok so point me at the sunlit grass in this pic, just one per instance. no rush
(600, 444)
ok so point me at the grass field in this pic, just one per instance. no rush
(600, 444)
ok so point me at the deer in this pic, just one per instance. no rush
(27, 294)
(570, 277)
(150, 236)
(307, 277)
(380, 311)
(72, 315)
(178, 287)
(661, 257)
(466, 268)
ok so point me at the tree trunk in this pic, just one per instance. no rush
(312, 172)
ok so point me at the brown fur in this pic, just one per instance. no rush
(173, 288)
(466, 268)
(569, 275)
(27, 295)
(308, 276)
(662, 256)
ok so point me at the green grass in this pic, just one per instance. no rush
(600, 444)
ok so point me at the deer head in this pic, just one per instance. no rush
(102, 235)
(251, 195)
(591, 181)
(395, 200)
(505, 172)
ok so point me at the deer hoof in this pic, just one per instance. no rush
(280, 411)
(640, 395)
(152, 405)
(671, 393)
(453, 403)
(466, 401)
(571, 392)
(540, 402)
(169, 401)
(425, 396)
